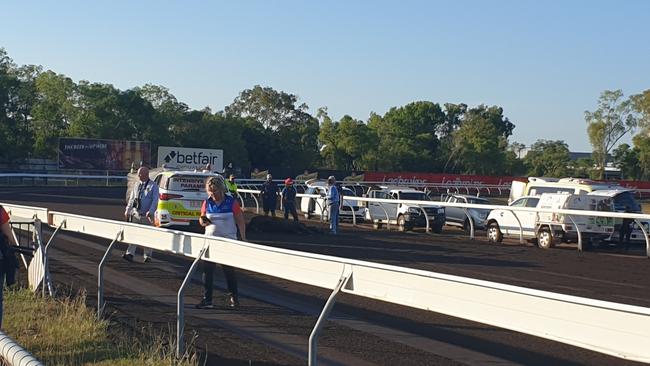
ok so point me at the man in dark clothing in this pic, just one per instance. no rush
(626, 230)
(269, 195)
(289, 199)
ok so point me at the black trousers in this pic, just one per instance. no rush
(290, 208)
(208, 280)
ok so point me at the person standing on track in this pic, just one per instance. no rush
(289, 199)
(141, 209)
(625, 231)
(269, 193)
(221, 216)
(231, 185)
(333, 203)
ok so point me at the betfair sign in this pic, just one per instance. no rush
(184, 158)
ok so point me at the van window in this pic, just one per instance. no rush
(624, 199)
(186, 183)
(537, 191)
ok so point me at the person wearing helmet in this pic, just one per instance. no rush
(333, 202)
(289, 199)
(269, 193)
(231, 185)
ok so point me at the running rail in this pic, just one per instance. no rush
(611, 328)
(14, 354)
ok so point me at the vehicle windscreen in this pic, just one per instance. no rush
(626, 199)
(415, 196)
(348, 192)
(478, 201)
(186, 183)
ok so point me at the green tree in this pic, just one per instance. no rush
(16, 99)
(280, 132)
(626, 158)
(481, 142)
(407, 137)
(612, 120)
(548, 159)
(641, 104)
(642, 146)
(584, 168)
(345, 143)
(53, 111)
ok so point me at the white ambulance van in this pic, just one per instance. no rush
(550, 228)
(622, 198)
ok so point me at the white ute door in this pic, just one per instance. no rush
(510, 225)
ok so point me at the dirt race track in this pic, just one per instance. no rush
(273, 324)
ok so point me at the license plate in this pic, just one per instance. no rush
(195, 204)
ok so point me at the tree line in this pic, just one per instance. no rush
(265, 128)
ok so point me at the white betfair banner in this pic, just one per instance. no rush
(185, 158)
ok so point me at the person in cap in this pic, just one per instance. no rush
(231, 185)
(269, 193)
(333, 204)
(289, 199)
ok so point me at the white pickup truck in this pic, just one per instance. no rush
(549, 227)
(405, 216)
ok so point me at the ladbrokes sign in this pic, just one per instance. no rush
(184, 158)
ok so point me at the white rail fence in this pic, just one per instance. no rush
(14, 354)
(611, 328)
(638, 218)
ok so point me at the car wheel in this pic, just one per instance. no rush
(466, 226)
(307, 215)
(545, 238)
(377, 225)
(494, 234)
(401, 223)
(438, 229)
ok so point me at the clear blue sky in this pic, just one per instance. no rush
(544, 62)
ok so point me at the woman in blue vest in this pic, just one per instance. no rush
(221, 216)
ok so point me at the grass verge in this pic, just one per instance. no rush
(64, 331)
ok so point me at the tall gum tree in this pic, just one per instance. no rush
(612, 120)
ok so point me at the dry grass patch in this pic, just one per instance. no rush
(64, 331)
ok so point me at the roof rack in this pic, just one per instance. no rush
(543, 179)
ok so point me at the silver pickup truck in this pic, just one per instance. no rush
(455, 216)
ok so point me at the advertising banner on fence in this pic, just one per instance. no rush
(404, 178)
(94, 154)
(186, 158)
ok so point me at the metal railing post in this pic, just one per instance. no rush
(46, 264)
(471, 223)
(318, 327)
(645, 234)
(257, 204)
(521, 229)
(180, 304)
(578, 231)
(241, 199)
(354, 215)
(426, 218)
(381, 204)
(100, 274)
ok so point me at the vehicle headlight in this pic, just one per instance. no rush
(441, 211)
(414, 210)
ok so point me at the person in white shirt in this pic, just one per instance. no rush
(141, 208)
